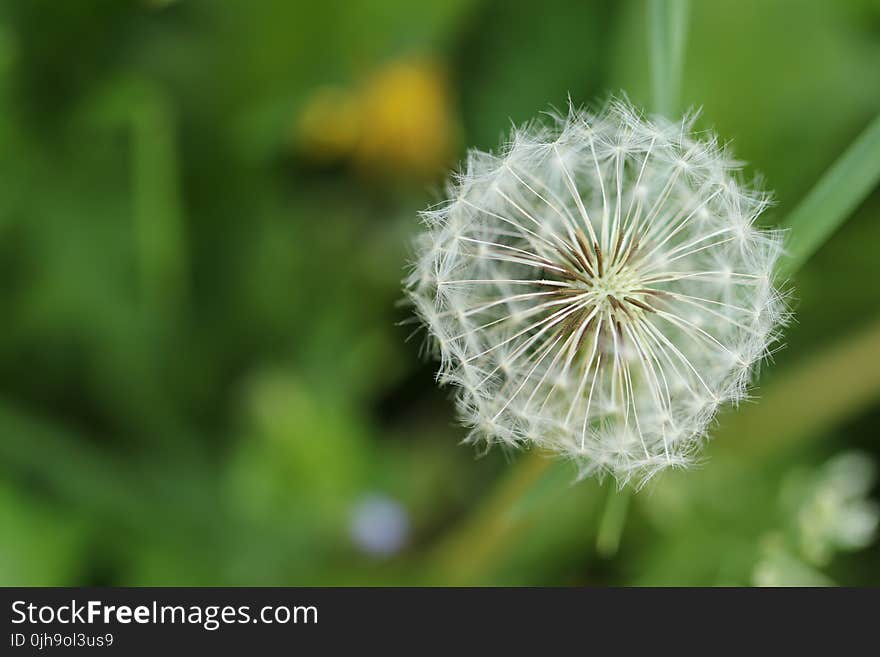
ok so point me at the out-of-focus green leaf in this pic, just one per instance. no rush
(514, 66)
(40, 545)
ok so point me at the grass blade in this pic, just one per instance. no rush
(832, 200)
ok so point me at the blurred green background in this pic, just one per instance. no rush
(205, 213)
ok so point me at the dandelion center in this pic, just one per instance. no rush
(601, 285)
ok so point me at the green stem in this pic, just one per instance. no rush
(668, 33)
(613, 521)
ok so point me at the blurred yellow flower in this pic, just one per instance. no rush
(398, 120)
(329, 126)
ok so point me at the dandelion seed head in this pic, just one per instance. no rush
(598, 288)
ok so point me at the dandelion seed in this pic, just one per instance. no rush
(598, 289)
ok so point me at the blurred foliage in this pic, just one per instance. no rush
(205, 211)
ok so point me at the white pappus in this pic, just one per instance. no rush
(598, 288)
